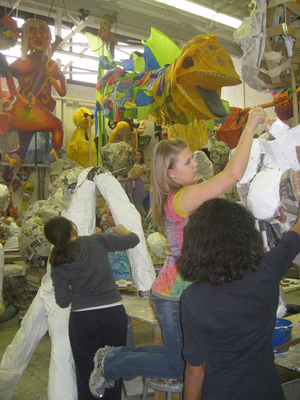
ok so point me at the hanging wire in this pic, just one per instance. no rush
(49, 12)
(10, 6)
(13, 7)
(99, 48)
(67, 15)
(212, 21)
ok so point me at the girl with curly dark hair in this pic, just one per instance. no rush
(228, 240)
(228, 314)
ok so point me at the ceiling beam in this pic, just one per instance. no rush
(133, 24)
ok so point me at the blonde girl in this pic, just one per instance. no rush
(175, 195)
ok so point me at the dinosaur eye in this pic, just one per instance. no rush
(188, 62)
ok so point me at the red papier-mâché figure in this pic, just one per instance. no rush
(36, 73)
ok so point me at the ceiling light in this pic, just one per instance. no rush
(204, 12)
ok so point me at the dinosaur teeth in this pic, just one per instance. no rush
(193, 102)
(215, 74)
(188, 96)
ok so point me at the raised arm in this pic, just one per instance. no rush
(54, 74)
(296, 227)
(120, 238)
(120, 230)
(61, 89)
(194, 377)
(195, 195)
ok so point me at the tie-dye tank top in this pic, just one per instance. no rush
(169, 282)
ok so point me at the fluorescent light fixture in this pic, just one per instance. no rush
(204, 12)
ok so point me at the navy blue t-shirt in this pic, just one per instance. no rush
(230, 328)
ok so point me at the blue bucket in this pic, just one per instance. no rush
(282, 333)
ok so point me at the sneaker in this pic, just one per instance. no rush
(97, 382)
(144, 294)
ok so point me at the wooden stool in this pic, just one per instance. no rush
(163, 385)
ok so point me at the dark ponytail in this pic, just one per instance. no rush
(58, 231)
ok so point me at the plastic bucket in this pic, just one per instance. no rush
(282, 333)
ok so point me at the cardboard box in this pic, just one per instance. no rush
(282, 29)
(291, 5)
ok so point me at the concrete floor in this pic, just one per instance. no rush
(33, 384)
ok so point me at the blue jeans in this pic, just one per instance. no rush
(151, 361)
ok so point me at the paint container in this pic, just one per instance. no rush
(20, 319)
(282, 333)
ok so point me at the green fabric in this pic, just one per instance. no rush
(100, 48)
(210, 123)
(138, 63)
(140, 112)
(158, 42)
(227, 106)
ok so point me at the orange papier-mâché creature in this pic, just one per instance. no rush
(36, 73)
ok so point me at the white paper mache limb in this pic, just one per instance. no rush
(253, 163)
(263, 199)
(82, 209)
(125, 213)
(281, 152)
(62, 378)
(44, 314)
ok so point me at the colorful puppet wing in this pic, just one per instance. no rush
(202, 63)
(150, 61)
(128, 65)
(100, 48)
(231, 130)
(135, 64)
(144, 103)
(162, 47)
(138, 63)
(105, 63)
